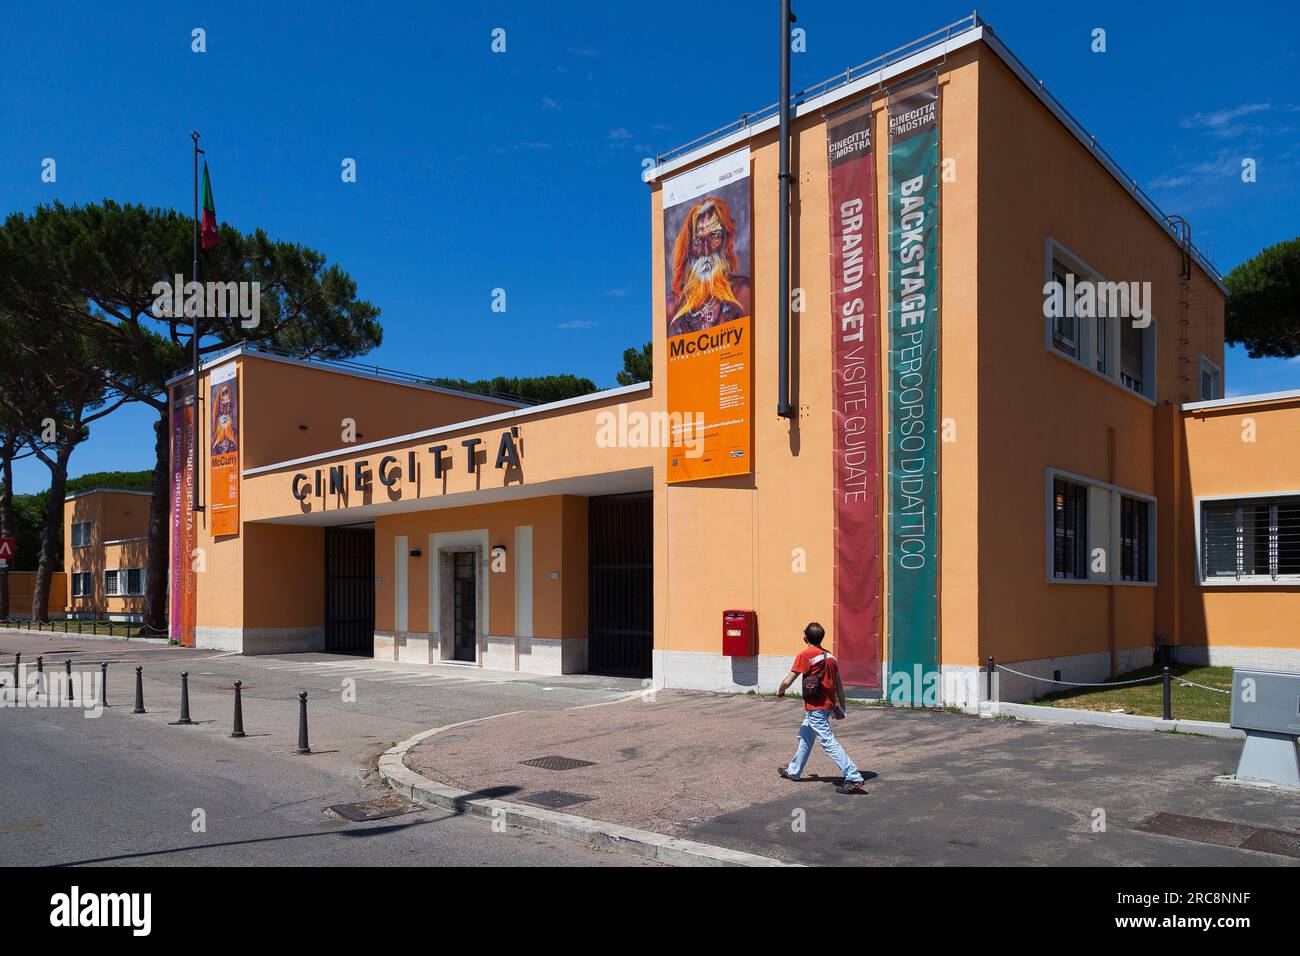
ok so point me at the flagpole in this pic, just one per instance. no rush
(194, 338)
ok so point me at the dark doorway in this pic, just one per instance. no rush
(464, 606)
(350, 590)
(620, 563)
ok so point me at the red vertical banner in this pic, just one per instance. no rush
(183, 584)
(855, 394)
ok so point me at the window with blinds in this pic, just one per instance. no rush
(110, 583)
(81, 533)
(135, 581)
(1250, 539)
(1069, 529)
(1134, 539)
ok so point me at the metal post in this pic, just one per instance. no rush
(989, 678)
(139, 691)
(783, 226)
(67, 670)
(18, 663)
(303, 747)
(103, 683)
(1168, 705)
(194, 339)
(40, 674)
(185, 698)
(238, 730)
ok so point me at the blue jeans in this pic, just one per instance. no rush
(817, 726)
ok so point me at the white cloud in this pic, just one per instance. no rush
(577, 324)
(1222, 123)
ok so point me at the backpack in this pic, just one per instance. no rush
(812, 681)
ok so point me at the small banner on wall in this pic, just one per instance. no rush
(183, 584)
(914, 391)
(223, 450)
(708, 253)
(855, 394)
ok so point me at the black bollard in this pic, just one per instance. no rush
(40, 674)
(185, 698)
(18, 663)
(302, 747)
(67, 669)
(139, 691)
(238, 730)
(989, 679)
(1168, 703)
(103, 683)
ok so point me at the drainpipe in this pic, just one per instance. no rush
(783, 243)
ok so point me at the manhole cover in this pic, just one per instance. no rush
(1223, 833)
(390, 806)
(556, 763)
(555, 799)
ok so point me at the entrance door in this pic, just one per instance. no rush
(464, 597)
(620, 563)
(350, 590)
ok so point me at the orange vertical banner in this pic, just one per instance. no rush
(223, 451)
(709, 319)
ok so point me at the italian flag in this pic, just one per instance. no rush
(209, 236)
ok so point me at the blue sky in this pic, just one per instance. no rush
(521, 170)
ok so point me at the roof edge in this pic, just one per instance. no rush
(622, 390)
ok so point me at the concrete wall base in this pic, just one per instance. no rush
(532, 655)
(1084, 668)
(261, 640)
(1274, 658)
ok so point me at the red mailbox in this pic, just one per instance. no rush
(739, 633)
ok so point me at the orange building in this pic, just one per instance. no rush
(965, 470)
(105, 553)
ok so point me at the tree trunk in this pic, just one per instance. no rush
(6, 520)
(51, 533)
(155, 588)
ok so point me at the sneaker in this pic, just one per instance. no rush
(785, 774)
(851, 786)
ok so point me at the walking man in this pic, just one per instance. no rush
(823, 697)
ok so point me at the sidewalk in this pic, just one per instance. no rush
(942, 788)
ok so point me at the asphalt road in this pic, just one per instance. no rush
(131, 789)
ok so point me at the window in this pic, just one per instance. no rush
(1101, 345)
(1070, 530)
(1132, 358)
(81, 584)
(1096, 329)
(1134, 539)
(110, 583)
(1250, 539)
(1064, 326)
(135, 581)
(1098, 533)
(1211, 381)
(81, 533)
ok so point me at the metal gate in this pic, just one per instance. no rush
(350, 590)
(620, 563)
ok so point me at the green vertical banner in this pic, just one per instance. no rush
(913, 541)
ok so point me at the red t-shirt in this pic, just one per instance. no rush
(804, 663)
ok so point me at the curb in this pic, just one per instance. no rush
(595, 833)
(1096, 718)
